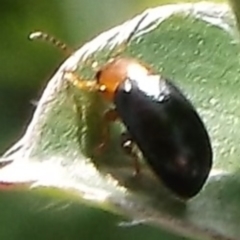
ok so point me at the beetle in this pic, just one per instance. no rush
(159, 119)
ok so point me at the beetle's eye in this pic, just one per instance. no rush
(98, 75)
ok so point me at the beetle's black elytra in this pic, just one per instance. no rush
(169, 132)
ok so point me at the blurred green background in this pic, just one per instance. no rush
(25, 66)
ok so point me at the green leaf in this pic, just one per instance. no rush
(193, 44)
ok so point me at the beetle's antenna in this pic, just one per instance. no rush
(51, 39)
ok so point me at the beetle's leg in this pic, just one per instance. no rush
(128, 147)
(110, 116)
(87, 85)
